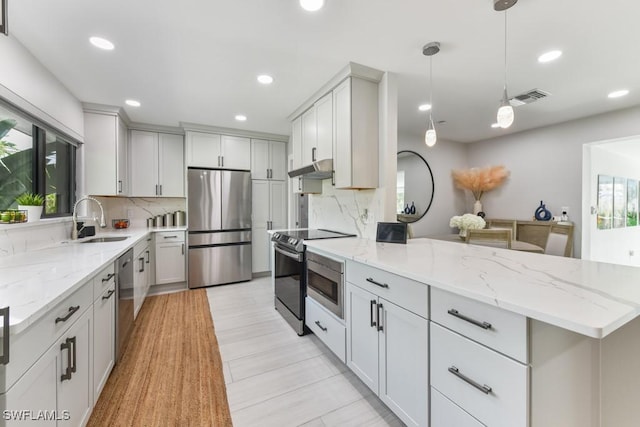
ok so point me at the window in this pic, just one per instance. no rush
(35, 159)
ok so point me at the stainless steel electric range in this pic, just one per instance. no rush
(289, 272)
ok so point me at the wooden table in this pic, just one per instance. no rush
(516, 245)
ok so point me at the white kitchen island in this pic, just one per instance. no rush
(515, 339)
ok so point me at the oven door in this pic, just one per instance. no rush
(326, 286)
(289, 280)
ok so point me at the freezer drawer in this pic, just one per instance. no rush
(216, 238)
(217, 265)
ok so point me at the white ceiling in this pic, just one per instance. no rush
(197, 60)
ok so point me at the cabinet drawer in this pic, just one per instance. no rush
(445, 413)
(499, 329)
(327, 328)
(169, 236)
(27, 346)
(486, 384)
(407, 293)
(106, 279)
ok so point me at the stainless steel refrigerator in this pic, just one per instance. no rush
(219, 227)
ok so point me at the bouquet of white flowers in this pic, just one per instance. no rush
(466, 222)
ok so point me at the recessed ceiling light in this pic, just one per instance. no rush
(618, 93)
(265, 79)
(101, 43)
(132, 102)
(312, 5)
(241, 118)
(550, 56)
(495, 125)
(424, 107)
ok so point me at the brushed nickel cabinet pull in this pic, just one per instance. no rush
(483, 388)
(372, 309)
(119, 186)
(456, 313)
(382, 285)
(4, 357)
(380, 313)
(108, 295)
(109, 277)
(320, 326)
(69, 314)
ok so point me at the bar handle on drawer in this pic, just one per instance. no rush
(320, 326)
(483, 388)
(483, 325)
(109, 277)
(382, 285)
(380, 313)
(170, 237)
(108, 295)
(374, 305)
(69, 314)
(4, 357)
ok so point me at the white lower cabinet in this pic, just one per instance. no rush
(103, 338)
(141, 277)
(387, 348)
(170, 257)
(56, 390)
(327, 327)
(445, 413)
(268, 207)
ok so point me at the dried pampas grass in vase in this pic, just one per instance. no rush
(479, 181)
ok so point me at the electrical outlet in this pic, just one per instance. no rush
(565, 210)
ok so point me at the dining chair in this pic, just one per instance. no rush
(560, 240)
(487, 237)
(503, 224)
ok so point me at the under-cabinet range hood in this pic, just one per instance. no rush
(322, 169)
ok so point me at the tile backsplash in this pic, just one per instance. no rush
(138, 209)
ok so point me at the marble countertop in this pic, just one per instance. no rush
(587, 297)
(31, 283)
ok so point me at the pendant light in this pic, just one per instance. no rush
(429, 50)
(505, 112)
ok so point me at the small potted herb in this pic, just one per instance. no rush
(33, 204)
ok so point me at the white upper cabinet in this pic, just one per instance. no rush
(309, 136)
(324, 128)
(105, 154)
(268, 160)
(296, 142)
(355, 138)
(208, 150)
(157, 164)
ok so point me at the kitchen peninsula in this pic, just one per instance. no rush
(515, 339)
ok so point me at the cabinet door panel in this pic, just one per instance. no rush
(100, 153)
(278, 208)
(309, 136)
(103, 339)
(296, 141)
(236, 152)
(260, 248)
(143, 150)
(342, 134)
(278, 156)
(171, 165)
(170, 263)
(259, 159)
(203, 150)
(362, 338)
(445, 413)
(75, 394)
(324, 127)
(260, 195)
(122, 166)
(404, 359)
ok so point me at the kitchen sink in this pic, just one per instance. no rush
(106, 239)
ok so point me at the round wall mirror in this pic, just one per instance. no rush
(415, 186)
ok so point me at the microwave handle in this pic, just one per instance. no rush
(296, 256)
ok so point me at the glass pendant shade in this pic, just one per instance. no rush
(505, 112)
(430, 136)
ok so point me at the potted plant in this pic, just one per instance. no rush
(33, 204)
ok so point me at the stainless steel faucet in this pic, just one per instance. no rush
(74, 229)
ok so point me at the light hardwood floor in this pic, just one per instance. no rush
(276, 378)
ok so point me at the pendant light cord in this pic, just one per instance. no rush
(431, 89)
(505, 49)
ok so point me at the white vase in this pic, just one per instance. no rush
(477, 207)
(33, 212)
(463, 233)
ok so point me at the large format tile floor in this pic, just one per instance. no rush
(276, 378)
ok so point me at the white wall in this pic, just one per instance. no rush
(617, 245)
(546, 164)
(447, 201)
(25, 82)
